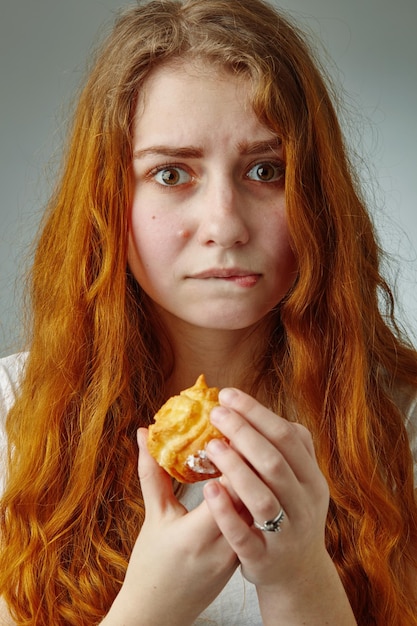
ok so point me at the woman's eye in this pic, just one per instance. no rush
(266, 172)
(171, 176)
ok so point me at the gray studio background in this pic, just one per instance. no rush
(44, 45)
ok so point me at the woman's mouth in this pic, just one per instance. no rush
(243, 278)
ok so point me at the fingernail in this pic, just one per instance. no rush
(212, 489)
(227, 396)
(216, 445)
(218, 414)
(141, 437)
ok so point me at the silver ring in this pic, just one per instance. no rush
(272, 525)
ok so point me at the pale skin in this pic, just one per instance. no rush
(209, 197)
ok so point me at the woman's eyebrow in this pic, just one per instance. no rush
(194, 152)
(270, 145)
(189, 152)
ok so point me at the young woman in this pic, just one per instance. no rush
(207, 220)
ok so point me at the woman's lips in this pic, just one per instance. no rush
(243, 278)
(250, 280)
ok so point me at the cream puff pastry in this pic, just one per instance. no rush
(181, 432)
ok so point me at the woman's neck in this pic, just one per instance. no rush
(226, 358)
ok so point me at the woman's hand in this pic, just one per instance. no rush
(270, 465)
(180, 561)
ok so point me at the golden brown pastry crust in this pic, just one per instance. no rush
(182, 429)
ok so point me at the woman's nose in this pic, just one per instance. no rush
(222, 217)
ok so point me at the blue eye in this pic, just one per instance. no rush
(171, 176)
(266, 172)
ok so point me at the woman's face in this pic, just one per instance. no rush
(208, 238)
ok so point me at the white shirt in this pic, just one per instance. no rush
(237, 604)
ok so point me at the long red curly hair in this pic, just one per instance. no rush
(335, 361)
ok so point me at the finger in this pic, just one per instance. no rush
(237, 502)
(235, 528)
(159, 497)
(261, 418)
(156, 484)
(225, 482)
(259, 498)
(202, 518)
(292, 440)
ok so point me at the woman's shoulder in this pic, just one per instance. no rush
(406, 400)
(11, 368)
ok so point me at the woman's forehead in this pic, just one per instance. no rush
(190, 99)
